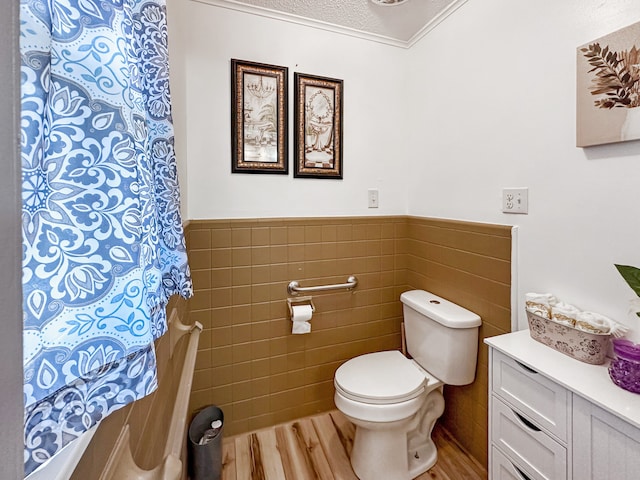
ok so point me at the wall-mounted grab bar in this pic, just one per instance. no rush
(294, 287)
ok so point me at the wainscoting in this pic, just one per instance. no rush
(250, 364)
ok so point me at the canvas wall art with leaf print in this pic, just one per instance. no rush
(608, 88)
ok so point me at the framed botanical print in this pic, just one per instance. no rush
(608, 88)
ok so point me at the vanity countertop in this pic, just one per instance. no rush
(589, 381)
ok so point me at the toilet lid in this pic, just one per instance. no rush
(381, 377)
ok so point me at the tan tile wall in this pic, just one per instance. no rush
(469, 264)
(260, 374)
(249, 363)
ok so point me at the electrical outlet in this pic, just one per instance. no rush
(515, 200)
(373, 197)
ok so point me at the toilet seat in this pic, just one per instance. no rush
(380, 378)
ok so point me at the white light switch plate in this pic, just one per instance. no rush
(373, 197)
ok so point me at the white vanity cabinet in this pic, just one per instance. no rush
(604, 446)
(529, 420)
(554, 418)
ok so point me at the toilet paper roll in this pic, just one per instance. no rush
(301, 317)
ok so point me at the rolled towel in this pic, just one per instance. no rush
(593, 322)
(564, 313)
(618, 330)
(540, 303)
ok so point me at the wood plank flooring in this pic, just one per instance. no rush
(318, 448)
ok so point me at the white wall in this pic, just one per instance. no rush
(374, 147)
(484, 101)
(495, 93)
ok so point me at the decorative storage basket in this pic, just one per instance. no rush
(584, 346)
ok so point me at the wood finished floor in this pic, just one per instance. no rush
(318, 448)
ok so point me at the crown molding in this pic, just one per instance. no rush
(437, 20)
(307, 22)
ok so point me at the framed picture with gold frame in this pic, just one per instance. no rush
(259, 115)
(318, 127)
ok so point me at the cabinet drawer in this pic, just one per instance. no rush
(540, 399)
(521, 439)
(504, 469)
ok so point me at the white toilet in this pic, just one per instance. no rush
(393, 401)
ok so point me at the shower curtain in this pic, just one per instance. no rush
(103, 245)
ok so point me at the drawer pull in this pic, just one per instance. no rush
(526, 422)
(523, 475)
(524, 367)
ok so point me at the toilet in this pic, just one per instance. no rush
(394, 401)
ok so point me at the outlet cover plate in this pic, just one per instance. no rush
(515, 200)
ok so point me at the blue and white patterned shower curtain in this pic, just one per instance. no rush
(103, 245)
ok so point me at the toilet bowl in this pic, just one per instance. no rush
(393, 401)
(384, 395)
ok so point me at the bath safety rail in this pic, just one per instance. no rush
(121, 464)
(294, 287)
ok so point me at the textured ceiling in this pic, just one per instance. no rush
(400, 25)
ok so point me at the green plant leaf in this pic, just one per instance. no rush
(631, 275)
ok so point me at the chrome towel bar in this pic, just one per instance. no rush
(294, 287)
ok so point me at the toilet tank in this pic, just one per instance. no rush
(441, 336)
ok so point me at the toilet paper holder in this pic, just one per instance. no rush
(300, 301)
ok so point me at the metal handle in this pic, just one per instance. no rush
(294, 287)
